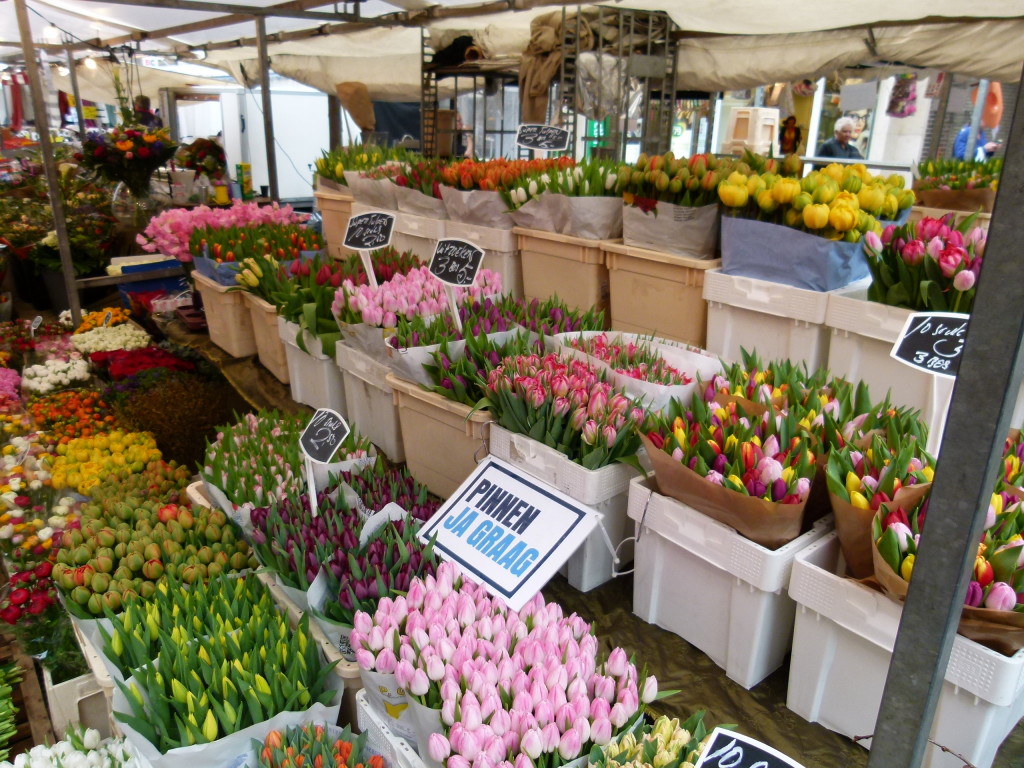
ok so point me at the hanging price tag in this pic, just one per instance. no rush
(36, 322)
(728, 749)
(546, 138)
(107, 318)
(319, 441)
(368, 232)
(932, 342)
(456, 263)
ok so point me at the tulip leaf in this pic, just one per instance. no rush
(1004, 563)
(897, 296)
(889, 549)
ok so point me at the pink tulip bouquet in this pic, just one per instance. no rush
(566, 405)
(415, 294)
(257, 461)
(638, 361)
(510, 689)
(926, 265)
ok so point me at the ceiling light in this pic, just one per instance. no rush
(52, 34)
(62, 71)
(90, 63)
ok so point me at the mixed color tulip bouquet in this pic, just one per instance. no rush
(926, 265)
(892, 469)
(837, 202)
(897, 533)
(750, 471)
(950, 173)
(500, 173)
(565, 405)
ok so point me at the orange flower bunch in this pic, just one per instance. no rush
(98, 318)
(500, 173)
(314, 746)
(71, 413)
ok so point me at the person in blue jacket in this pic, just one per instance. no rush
(981, 145)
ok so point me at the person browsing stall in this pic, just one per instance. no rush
(841, 145)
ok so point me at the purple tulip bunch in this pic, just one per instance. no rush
(522, 689)
(288, 539)
(478, 318)
(297, 545)
(377, 486)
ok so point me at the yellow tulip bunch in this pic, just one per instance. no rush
(836, 202)
(82, 463)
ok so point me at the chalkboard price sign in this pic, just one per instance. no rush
(546, 138)
(323, 435)
(369, 231)
(932, 342)
(456, 262)
(728, 749)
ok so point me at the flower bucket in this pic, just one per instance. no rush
(671, 228)
(767, 523)
(983, 199)
(781, 254)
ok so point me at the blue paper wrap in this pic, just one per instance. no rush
(781, 254)
(222, 274)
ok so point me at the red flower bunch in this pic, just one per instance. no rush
(122, 363)
(32, 592)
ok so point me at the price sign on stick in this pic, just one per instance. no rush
(107, 318)
(932, 342)
(728, 749)
(319, 441)
(546, 138)
(456, 263)
(368, 232)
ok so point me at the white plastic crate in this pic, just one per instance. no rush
(315, 378)
(604, 489)
(370, 401)
(79, 700)
(862, 335)
(397, 753)
(418, 234)
(718, 590)
(501, 252)
(778, 321)
(227, 317)
(842, 648)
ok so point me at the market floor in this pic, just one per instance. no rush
(760, 712)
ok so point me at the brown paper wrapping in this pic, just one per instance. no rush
(1001, 631)
(767, 523)
(958, 199)
(853, 527)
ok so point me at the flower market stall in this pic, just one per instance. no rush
(697, 366)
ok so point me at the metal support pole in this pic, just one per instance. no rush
(940, 115)
(969, 457)
(333, 121)
(49, 164)
(268, 116)
(979, 105)
(73, 76)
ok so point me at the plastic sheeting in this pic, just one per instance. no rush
(98, 84)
